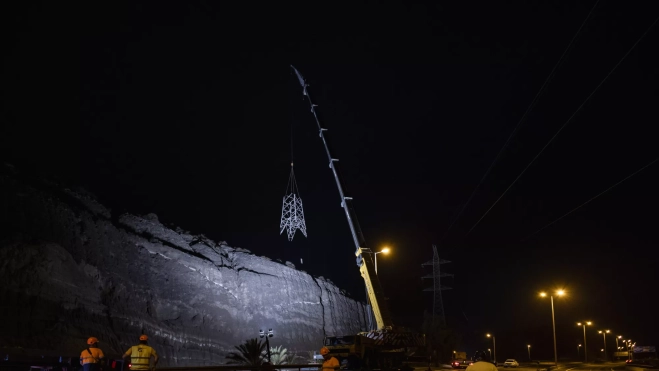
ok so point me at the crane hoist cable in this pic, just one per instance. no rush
(292, 213)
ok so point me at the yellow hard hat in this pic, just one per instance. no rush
(324, 351)
(144, 337)
(92, 340)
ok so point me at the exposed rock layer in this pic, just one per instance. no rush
(69, 269)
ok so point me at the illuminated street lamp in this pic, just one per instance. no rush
(585, 344)
(553, 321)
(604, 332)
(579, 351)
(267, 342)
(618, 337)
(629, 348)
(384, 251)
(529, 349)
(494, 345)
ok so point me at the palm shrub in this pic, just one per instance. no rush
(278, 355)
(250, 353)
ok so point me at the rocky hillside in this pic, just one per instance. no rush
(69, 269)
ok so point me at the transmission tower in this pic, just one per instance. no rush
(437, 288)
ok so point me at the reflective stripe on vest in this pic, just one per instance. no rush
(140, 356)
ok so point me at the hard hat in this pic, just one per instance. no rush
(144, 337)
(92, 340)
(324, 351)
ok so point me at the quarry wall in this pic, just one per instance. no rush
(69, 269)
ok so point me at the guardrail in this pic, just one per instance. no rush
(300, 367)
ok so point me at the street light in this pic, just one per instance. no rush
(604, 332)
(579, 351)
(553, 321)
(494, 345)
(585, 344)
(383, 251)
(629, 348)
(529, 349)
(618, 337)
(267, 342)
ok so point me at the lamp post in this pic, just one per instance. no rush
(494, 346)
(375, 254)
(553, 321)
(267, 342)
(579, 351)
(618, 337)
(528, 347)
(629, 349)
(585, 344)
(604, 332)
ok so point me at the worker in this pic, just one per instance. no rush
(92, 356)
(331, 363)
(482, 363)
(140, 355)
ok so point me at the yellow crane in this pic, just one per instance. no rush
(386, 345)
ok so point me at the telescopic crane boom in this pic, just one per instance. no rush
(365, 259)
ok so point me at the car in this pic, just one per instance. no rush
(510, 363)
(461, 363)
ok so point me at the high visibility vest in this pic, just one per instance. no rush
(140, 356)
(94, 357)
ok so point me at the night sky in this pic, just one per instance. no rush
(186, 110)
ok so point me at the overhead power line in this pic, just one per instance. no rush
(593, 198)
(565, 124)
(521, 120)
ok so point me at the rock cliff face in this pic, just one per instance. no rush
(69, 269)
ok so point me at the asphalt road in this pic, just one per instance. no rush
(609, 366)
(617, 366)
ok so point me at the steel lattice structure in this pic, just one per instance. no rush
(437, 288)
(292, 214)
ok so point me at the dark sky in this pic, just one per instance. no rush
(185, 110)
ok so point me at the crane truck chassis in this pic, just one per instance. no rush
(386, 347)
(374, 349)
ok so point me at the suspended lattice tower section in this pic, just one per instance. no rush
(437, 288)
(292, 215)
